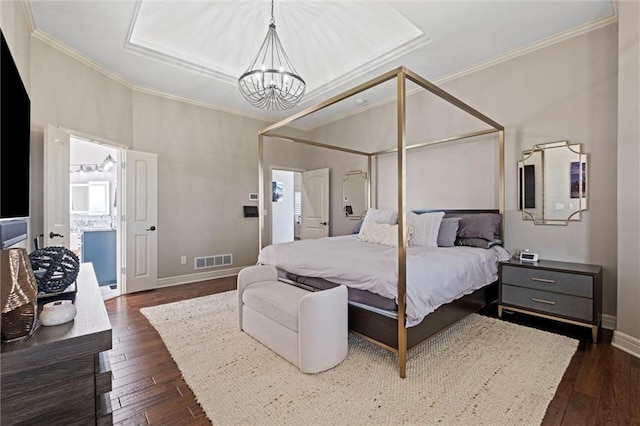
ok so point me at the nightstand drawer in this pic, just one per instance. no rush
(540, 279)
(552, 303)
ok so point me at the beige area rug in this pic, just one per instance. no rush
(479, 371)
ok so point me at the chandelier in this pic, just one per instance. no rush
(271, 82)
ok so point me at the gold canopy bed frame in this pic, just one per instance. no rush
(389, 332)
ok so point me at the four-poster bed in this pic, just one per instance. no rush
(384, 329)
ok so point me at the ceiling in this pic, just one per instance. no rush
(197, 49)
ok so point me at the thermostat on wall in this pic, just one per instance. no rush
(526, 256)
(253, 197)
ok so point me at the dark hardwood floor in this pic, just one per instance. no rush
(601, 385)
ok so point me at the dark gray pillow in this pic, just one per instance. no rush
(477, 242)
(448, 231)
(482, 225)
(357, 226)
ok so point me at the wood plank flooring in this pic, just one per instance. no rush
(601, 385)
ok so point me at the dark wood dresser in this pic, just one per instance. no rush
(563, 291)
(61, 374)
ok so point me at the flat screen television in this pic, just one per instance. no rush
(15, 127)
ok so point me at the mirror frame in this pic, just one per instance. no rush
(345, 202)
(576, 215)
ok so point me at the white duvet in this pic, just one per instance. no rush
(435, 275)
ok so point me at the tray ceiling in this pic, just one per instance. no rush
(198, 49)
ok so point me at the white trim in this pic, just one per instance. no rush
(94, 139)
(585, 28)
(42, 36)
(609, 321)
(46, 38)
(28, 13)
(199, 276)
(386, 58)
(489, 63)
(627, 343)
(202, 104)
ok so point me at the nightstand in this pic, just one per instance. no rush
(562, 291)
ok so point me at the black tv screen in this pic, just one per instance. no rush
(15, 126)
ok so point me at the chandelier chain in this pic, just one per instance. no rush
(273, 20)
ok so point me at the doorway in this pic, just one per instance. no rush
(94, 199)
(286, 205)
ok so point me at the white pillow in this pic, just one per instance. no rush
(390, 217)
(424, 228)
(379, 233)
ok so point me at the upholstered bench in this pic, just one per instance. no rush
(308, 329)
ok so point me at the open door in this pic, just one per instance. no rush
(56, 187)
(141, 221)
(315, 204)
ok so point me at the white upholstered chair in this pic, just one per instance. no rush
(308, 329)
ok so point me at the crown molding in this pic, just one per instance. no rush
(160, 93)
(404, 48)
(178, 62)
(28, 14)
(46, 38)
(408, 46)
(157, 55)
(591, 26)
(558, 38)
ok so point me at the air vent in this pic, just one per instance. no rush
(213, 261)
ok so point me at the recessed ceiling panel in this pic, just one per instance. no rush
(197, 49)
(326, 42)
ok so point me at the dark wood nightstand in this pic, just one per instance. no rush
(562, 291)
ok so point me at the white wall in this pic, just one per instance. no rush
(69, 94)
(567, 91)
(207, 166)
(282, 211)
(628, 324)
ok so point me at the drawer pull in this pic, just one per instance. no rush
(543, 280)
(548, 302)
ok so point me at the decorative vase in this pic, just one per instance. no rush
(56, 267)
(18, 291)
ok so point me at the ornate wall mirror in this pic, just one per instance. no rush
(552, 183)
(354, 194)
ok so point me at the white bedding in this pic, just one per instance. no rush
(435, 275)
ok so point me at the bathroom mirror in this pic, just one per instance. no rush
(553, 183)
(354, 194)
(90, 198)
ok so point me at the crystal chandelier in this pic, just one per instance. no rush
(271, 82)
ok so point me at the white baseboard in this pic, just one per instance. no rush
(199, 276)
(609, 321)
(626, 343)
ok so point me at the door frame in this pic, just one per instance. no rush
(270, 208)
(120, 176)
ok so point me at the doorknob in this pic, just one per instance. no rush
(153, 228)
(324, 223)
(52, 235)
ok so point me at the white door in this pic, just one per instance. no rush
(56, 187)
(141, 221)
(315, 204)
